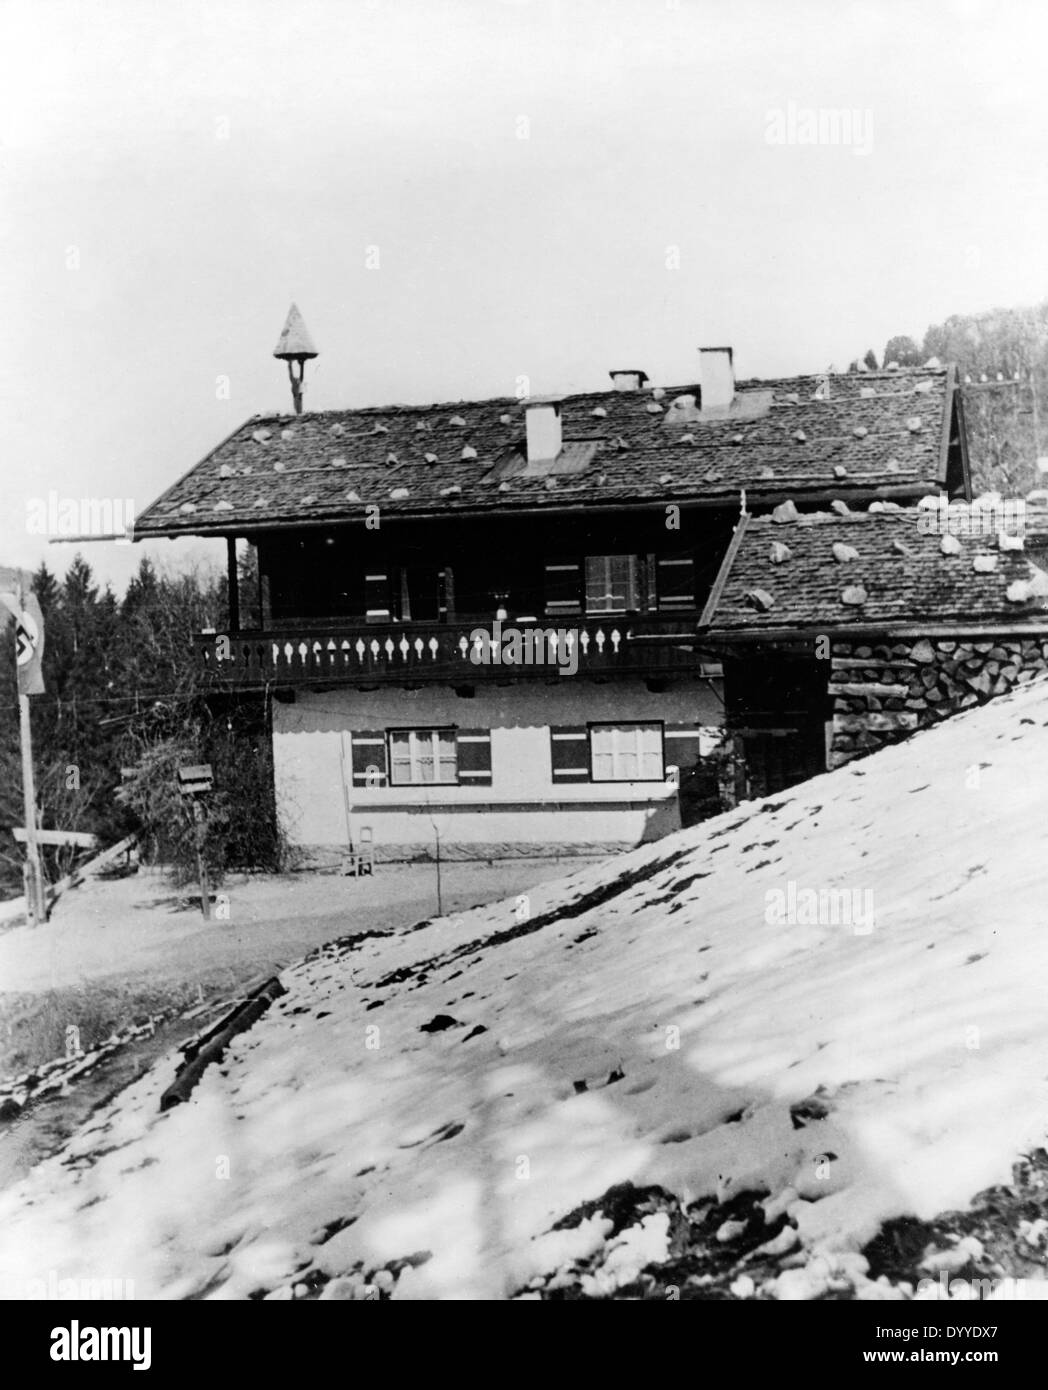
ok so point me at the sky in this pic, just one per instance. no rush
(462, 193)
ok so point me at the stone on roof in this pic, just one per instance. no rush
(759, 599)
(628, 451)
(898, 567)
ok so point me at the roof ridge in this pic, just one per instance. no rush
(842, 518)
(682, 388)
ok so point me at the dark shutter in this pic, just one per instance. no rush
(680, 745)
(675, 577)
(377, 597)
(473, 747)
(563, 587)
(650, 599)
(569, 749)
(446, 601)
(369, 752)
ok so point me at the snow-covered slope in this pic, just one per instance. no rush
(679, 1017)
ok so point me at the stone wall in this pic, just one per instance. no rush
(882, 692)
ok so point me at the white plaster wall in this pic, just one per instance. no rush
(522, 807)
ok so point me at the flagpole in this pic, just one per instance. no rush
(36, 900)
(35, 896)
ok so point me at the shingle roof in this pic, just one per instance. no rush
(823, 571)
(871, 431)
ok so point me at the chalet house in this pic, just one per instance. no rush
(506, 623)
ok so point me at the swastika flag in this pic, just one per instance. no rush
(29, 642)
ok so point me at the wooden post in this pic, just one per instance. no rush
(35, 896)
(263, 589)
(296, 384)
(233, 584)
(205, 897)
(196, 781)
(440, 901)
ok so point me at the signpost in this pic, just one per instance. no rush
(80, 838)
(196, 781)
(29, 651)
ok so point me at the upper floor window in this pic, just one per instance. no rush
(422, 757)
(613, 583)
(626, 752)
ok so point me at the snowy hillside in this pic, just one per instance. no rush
(703, 1016)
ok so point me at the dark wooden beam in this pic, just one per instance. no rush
(233, 583)
(710, 609)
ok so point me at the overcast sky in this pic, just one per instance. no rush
(553, 189)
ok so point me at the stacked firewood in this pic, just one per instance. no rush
(882, 693)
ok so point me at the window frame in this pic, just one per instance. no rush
(658, 724)
(635, 583)
(414, 729)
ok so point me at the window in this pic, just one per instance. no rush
(575, 456)
(421, 757)
(613, 583)
(626, 752)
(422, 589)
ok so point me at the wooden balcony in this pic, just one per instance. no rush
(417, 653)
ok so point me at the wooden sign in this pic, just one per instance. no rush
(57, 837)
(192, 781)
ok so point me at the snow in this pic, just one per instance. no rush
(142, 930)
(913, 1053)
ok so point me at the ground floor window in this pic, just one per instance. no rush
(422, 757)
(626, 752)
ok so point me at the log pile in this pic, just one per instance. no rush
(882, 693)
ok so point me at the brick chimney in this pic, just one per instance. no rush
(542, 419)
(716, 377)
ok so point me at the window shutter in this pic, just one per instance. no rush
(474, 757)
(569, 754)
(650, 599)
(676, 582)
(563, 587)
(369, 751)
(682, 745)
(376, 597)
(404, 609)
(446, 601)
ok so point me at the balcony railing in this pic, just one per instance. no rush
(410, 653)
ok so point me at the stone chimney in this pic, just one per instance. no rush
(717, 378)
(627, 378)
(542, 419)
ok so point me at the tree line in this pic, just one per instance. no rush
(123, 707)
(1002, 359)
